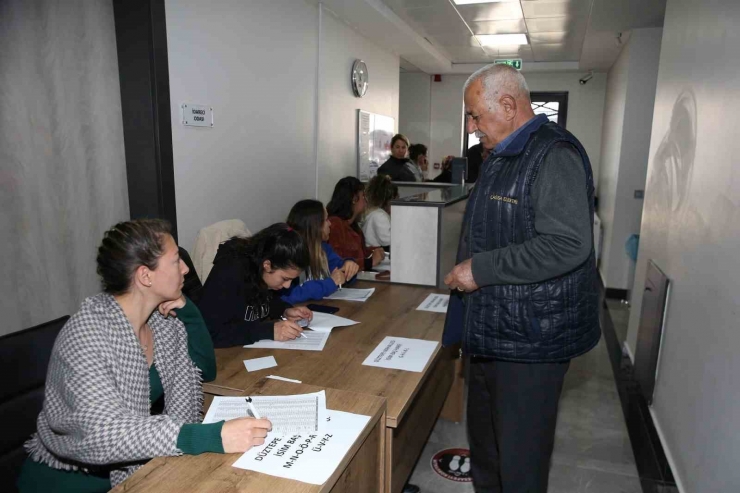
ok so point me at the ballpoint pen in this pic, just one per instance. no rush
(251, 408)
(282, 317)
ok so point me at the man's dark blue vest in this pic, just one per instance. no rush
(551, 321)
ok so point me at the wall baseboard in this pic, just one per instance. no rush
(667, 451)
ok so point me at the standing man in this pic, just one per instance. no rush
(527, 296)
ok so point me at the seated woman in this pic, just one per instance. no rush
(346, 238)
(398, 166)
(117, 354)
(326, 271)
(418, 163)
(237, 301)
(446, 175)
(377, 225)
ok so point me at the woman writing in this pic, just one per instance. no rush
(237, 300)
(346, 238)
(377, 225)
(326, 271)
(117, 354)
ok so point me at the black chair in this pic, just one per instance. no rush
(24, 358)
(192, 286)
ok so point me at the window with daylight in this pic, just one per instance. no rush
(552, 104)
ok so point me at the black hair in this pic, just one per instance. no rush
(345, 191)
(307, 217)
(380, 191)
(278, 243)
(126, 247)
(417, 150)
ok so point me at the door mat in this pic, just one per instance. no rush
(453, 464)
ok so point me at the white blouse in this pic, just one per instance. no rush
(377, 228)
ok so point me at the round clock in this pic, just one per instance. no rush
(360, 78)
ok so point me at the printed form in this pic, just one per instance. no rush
(314, 341)
(401, 353)
(435, 303)
(289, 414)
(351, 294)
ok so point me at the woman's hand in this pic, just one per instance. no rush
(350, 269)
(378, 256)
(298, 313)
(167, 308)
(241, 434)
(286, 330)
(338, 277)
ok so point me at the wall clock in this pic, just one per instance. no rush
(360, 78)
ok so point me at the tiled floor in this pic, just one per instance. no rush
(592, 447)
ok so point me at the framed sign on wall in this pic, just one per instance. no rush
(374, 134)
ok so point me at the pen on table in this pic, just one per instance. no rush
(251, 408)
(282, 317)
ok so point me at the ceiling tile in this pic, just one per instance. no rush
(556, 52)
(510, 26)
(450, 38)
(413, 4)
(555, 8)
(490, 11)
(555, 24)
(463, 54)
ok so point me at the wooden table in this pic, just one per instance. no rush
(413, 399)
(361, 470)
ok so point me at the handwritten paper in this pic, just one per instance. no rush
(401, 353)
(306, 457)
(435, 303)
(260, 363)
(324, 322)
(289, 414)
(351, 294)
(314, 341)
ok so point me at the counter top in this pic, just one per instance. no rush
(436, 198)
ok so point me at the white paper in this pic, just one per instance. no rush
(276, 377)
(435, 303)
(260, 363)
(309, 458)
(324, 322)
(351, 294)
(289, 414)
(314, 341)
(401, 353)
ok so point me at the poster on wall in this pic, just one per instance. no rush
(374, 134)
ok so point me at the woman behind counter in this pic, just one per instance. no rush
(347, 205)
(398, 167)
(121, 351)
(237, 300)
(326, 271)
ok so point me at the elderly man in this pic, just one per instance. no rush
(526, 296)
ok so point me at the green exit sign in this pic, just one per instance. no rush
(514, 62)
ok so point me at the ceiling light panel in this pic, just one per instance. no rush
(502, 39)
(490, 11)
(555, 8)
(509, 26)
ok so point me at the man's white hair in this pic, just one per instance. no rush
(497, 79)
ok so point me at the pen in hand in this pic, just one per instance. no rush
(282, 317)
(251, 408)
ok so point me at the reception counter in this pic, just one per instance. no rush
(425, 230)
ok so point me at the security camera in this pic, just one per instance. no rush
(586, 78)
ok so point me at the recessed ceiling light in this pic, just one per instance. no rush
(469, 2)
(502, 39)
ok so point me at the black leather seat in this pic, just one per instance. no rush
(24, 358)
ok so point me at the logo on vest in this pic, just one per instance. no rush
(508, 200)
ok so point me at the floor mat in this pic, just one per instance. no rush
(453, 464)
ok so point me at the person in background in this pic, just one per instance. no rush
(326, 270)
(418, 163)
(398, 166)
(527, 287)
(345, 208)
(475, 160)
(121, 351)
(446, 175)
(237, 300)
(377, 224)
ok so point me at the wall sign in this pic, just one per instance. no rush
(514, 62)
(196, 115)
(374, 134)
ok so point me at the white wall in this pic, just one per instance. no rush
(340, 47)
(626, 136)
(691, 228)
(257, 64)
(414, 106)
(585, 111)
